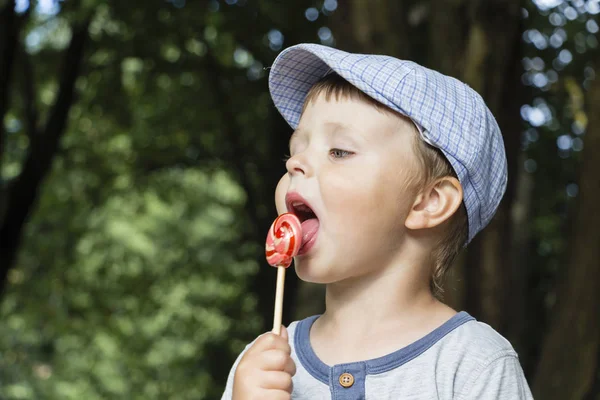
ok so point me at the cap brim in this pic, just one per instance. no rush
(298, 68)
(294, 72)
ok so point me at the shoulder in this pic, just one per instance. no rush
(479, 337)
(491, 365)
(466, 344)
(474, 350)
(463, 342)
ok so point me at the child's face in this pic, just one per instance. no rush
(356, 168)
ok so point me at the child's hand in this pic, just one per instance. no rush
(265, 371)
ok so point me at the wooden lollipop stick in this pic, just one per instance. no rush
(279, 300)
(283, 243)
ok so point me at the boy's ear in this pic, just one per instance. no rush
(436, 204)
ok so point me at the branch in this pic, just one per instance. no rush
(23, 192)
(71, 68)
(31, 113)
(9, 35)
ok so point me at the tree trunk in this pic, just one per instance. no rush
(518, 302)
(22, 193)
(569, 358)
(9, 37)
(378, 26)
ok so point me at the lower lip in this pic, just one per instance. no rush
(312, 231)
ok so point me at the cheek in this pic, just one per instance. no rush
(339, 192)
(373, 198)
(280, 192)
(354, 190)
(353, 203)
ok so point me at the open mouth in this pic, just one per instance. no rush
(308, 218)
(302, 211)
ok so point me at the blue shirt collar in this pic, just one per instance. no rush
(321, 371)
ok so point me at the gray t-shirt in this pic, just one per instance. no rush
(462, 359)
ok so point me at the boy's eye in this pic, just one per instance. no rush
(339, 153)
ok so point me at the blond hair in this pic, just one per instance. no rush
(434, 166)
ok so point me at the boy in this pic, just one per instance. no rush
(393, 168)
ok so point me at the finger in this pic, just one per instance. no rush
(284, 333)
(290, 367)
(278, 380)
(270, 341)
(274, 360)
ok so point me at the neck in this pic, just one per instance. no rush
(390, 308)
(388, 294)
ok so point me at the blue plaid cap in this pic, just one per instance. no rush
(450, 115)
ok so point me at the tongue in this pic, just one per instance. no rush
(309, 229)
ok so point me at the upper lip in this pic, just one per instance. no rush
(293, 197)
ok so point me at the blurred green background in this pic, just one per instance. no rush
(139, 152)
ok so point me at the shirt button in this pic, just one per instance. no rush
(346, 380)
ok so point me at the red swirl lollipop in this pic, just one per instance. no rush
(283, 242)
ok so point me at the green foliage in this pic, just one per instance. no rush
(132, 281)
(130, 306)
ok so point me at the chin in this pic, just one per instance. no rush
(309, 271)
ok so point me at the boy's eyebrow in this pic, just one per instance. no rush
(337, 128)
(340, 129)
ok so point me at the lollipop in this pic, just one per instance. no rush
(283, 242)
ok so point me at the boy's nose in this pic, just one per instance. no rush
(298, 165)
